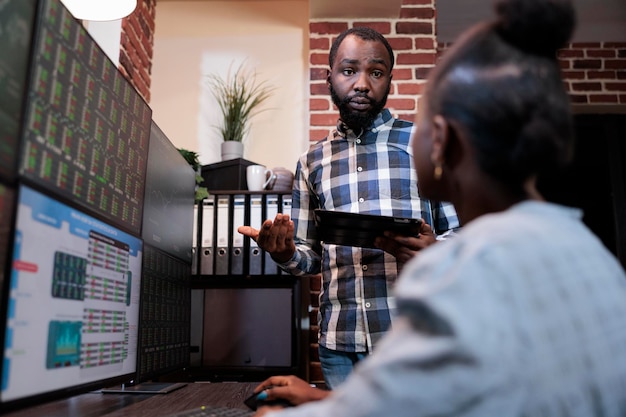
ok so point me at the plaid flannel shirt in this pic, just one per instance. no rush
(372, 174)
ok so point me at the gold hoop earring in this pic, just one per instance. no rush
(438, 172)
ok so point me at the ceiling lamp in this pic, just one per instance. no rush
(100, 10)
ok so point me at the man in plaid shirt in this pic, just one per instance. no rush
(365, 166)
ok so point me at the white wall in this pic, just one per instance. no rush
(108, 35)
(194, 38)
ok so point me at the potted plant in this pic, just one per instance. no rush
(192, 159)
(239, 96)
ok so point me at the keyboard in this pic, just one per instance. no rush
(209, 411)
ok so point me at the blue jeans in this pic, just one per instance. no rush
(337, 365)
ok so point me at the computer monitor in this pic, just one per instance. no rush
(164, 330)
(249, 331)
(85, 128)
(72, 308)
(169, 198)
(7, 202)
(16, 27)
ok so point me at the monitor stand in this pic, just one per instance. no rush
(145, 388)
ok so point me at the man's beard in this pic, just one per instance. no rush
(356, 120)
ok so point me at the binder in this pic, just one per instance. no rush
(222, 246)
(239, 205)
(271, 210)
(287, 204)
(256, 220)
(194, 241)
(206, 241)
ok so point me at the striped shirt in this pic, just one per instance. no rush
(371, 174)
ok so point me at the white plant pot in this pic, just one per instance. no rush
(231, 150)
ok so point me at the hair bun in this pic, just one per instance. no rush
(536, 26)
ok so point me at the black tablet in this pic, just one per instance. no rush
(354, 229)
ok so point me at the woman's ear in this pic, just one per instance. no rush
(440, 140)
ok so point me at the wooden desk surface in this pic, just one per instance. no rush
(194, 395)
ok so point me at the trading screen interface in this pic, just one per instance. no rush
(86, 129)
(73, 301)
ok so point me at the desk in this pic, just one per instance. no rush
(224, 394)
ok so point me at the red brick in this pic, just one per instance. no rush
(319, 104)
(616, 45)
(327, 27)
(416, 58)
(402, 74)
(616, 86)
(315, 282)
(570, 53)
(618, 64)
(316, 135)
(381, 27)
(604, 75)
(579, 99)
(621, 75)
(574, 75)
(319, 43)
(586, 86)
(401, 104)
(315, 373)
(587, 64)
(417, 13)
(424, 43)
(326, 119)
(318, 74)
(400, 43)
(410, 88)
(603, 98)
(318, 89)
(415, 28)
(601, 53)
(318, 59)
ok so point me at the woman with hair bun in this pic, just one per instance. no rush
(523, 313)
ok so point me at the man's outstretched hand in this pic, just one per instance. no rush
(275, 237)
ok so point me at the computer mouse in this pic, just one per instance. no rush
(260, 399)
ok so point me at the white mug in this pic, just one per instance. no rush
(257, 177)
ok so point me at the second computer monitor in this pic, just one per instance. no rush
(72, 311)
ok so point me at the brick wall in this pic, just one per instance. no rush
(137, 45)
(595, 72)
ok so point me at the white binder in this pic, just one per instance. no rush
(256, 220)
(271, 206)
(222, 246)
(236, 252)
(206, 243)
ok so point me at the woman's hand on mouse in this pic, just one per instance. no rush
(290, 388)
